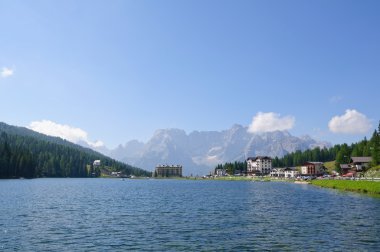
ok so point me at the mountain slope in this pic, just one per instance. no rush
(199, 152)
(25, 153)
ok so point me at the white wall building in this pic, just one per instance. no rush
(291, 172)
(220, 172)
(278, 172)
(96, 163)
(259, 165)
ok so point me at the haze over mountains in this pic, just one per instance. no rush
(200, 151)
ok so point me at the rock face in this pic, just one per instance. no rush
(199, 152)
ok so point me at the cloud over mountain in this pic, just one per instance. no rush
(351, 122)
(72, 134)
(269, 122)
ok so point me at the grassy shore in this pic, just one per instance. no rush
(370, 187)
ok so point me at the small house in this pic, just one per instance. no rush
(220, 172)
(278, 172)
(288, 172)
(360, 163)
(96, 163)
(291, 172)
(345, 168)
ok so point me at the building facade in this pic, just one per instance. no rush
(96, 163)
(312, 168)
(220, 172)
(278, 172)
(291, 172)
(360, 163)
(288, 172)
(168, 171)
(260, 165)
(356, 165)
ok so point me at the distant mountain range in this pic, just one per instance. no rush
(200, 151)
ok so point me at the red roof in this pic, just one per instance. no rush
(350, 174)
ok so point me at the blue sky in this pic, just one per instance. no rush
(119, 70)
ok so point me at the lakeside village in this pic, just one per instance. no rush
(261, 166)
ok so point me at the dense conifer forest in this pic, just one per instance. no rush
(25, 153)
(341, 153)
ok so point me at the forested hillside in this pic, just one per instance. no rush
(341, 153)
(25, 153)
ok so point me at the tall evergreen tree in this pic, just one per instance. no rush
(375, 147)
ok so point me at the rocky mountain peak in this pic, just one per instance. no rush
(200, 151)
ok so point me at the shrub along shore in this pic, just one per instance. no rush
(370, 187)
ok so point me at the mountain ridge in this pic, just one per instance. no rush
(200, 151)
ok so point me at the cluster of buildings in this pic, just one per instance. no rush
(262, 166)
(356, 165)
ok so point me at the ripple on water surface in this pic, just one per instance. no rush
(172, 215)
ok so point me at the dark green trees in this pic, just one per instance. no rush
(375, 147)
(233, 168)
(28, 154)
(15, 164)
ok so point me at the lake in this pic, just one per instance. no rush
(183, 215)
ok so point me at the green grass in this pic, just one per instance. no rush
(237, 178)
(370, 187)
(246, 178)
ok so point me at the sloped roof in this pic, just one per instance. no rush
(259, 157)
(314, 163)
(345, 166)
(290, 169)
(361, 159)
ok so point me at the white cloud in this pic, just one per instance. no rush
(6, 72)
(96, 144)
(267, 122)
(67, 132)
(352, 122)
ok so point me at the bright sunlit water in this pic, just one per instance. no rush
(175, 215)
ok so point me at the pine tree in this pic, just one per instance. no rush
(375, 147)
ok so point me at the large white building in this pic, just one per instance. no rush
(260, 165)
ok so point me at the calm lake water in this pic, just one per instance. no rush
(175, 215)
